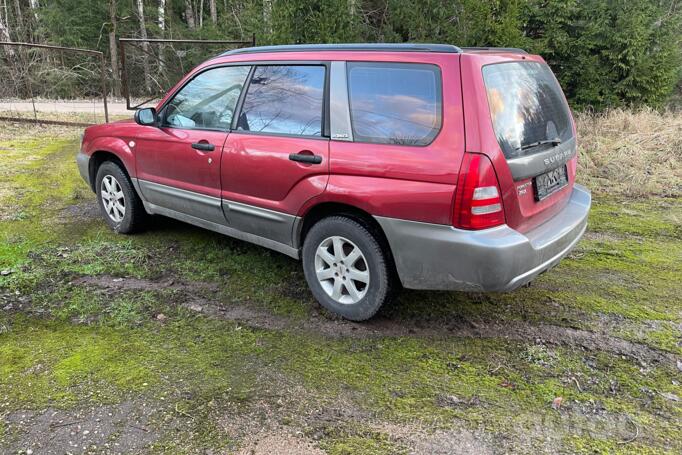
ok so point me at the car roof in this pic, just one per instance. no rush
(370, 47)
(376, 47)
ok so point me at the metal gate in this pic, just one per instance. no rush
(150, 67)
(39, 75)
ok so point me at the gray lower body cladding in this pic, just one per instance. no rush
(83, 162)
(257, 225)
(434, 256)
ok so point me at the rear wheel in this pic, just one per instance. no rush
(117, 199)
(347, 269)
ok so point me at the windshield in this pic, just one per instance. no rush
(527, 107)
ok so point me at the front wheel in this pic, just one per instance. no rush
(347, 269)
(119, 203)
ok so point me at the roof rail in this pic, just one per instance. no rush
(386, 47)
(514, 50)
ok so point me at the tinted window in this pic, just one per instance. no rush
(207, 101)
(394, 103)
(526, 106)
(284, 99)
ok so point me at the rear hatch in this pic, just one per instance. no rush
(535, 133)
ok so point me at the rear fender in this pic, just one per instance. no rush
(411, 200)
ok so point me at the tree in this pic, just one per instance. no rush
(189, 15)
(19, 19)
(604, 52)
(162, 15)
(113, 49)
(145, 45)
(4, 22)
(214, 11)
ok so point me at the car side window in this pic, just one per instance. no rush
(284, 99)
(395, 103)
(208, 101)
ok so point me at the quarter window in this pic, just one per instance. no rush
(284, 100)
(207, 101)
(395, 103)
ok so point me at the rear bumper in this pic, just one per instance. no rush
(433, 256)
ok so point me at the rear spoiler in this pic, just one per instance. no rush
(512, 50)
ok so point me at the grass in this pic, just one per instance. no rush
(89, 319)
(631, 153)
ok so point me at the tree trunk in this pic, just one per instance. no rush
(162, 26)
(4, 24)
(214, 11)
(34, 8)
(267, 15)
(4, 29)
(113, 50)
(20, 32)
(201, 14)
(162, 15)
(145, 46)
(189, 15)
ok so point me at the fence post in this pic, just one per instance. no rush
(124, 73)
(127, 86)
(104, 87)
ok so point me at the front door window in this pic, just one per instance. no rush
(208, 101)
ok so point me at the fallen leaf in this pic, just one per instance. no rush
(556, 403)
(507, 384)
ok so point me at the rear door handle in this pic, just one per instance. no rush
(203, 146)
(301, 158)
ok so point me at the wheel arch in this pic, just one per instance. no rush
(99, 157)
(327, 209)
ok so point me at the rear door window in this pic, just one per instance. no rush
(527, 107)
(395, 103)
(284, 99)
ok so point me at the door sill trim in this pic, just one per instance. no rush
(222, 229)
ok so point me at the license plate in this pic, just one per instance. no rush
(549, 182)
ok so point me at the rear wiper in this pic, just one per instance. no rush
(554, 142)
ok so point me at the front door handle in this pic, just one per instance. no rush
(305, 158)
(203, 146)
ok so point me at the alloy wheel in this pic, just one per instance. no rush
(341, 270)
(113, 198)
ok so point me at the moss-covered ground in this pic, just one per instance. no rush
(211, 345)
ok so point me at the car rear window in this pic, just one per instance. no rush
(395, 103)
(526, 106)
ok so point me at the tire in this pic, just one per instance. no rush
(326, 273)
(110, 182)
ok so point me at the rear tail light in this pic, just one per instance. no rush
(478, 204)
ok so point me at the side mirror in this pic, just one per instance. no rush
(146, 116)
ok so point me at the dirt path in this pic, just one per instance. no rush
(95, 107)
(381, 327)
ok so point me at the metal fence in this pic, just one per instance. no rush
(150, 67)
(37, 78)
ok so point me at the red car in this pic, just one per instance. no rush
(379, 165)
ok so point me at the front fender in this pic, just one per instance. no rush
(115, 146)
